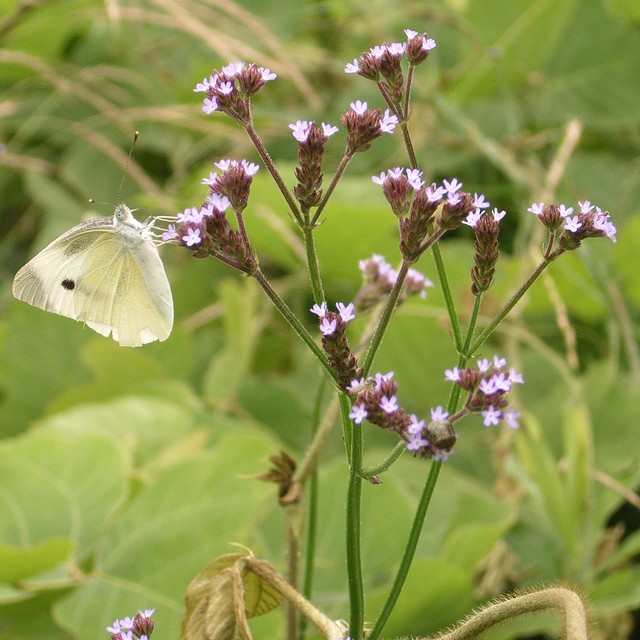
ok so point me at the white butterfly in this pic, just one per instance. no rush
(105, 272)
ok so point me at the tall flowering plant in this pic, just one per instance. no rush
(425, 211)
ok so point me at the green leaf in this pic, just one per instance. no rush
(18, 563)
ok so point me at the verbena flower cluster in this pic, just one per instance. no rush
(140, 626)
(486, 385)
(425, 211)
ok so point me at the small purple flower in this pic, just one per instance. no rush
(483, 365)
(352, 67)
(346, 311)
(498, 215)
(452, 186)
(192, 237)
(358, 107)
(210, 105)
(320, 309)
(585, 207)
(479, 202)
(358, 413)
(572, 224)
(415, 426)
(491, 416)
(204, 85)
(536, 208)
(452, 375)
(565, 211)
(510, 417)
(439, 413)
(300, 130)
(388, 122)
(170, 233)
(499, 362)
(327, 326)
(329, 129)
(389, 405)
(472, 219)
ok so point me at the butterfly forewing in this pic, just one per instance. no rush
(108, 276)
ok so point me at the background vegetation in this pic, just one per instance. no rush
(123, 472)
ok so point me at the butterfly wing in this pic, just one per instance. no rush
(114, 283)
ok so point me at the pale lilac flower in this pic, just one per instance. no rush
(186, 216)
(499, 362)
(210, 105)
(327, 327)
(498, 215)
(389, 405)
(170, 233)
(358, 413)
(192, 237)
(204, 85)
(410, 33)
(572, 224)
(397, 49)
(483, 365)
(346, 311)
(388, 122)
(565, 211)
(329, 129)
(501, 381)
(251, 168)
(536, 208)
(416, 443)
(488, 386)
(510, 416)
(435, 194)
(233, 68)
(472, 218)
(452, 186)
(415, 426)
(602, 223)
(266, 74)
(211, 179)
(217, 201)
(415, 178)
(352, 67)
(428, 43)
(452, 375)
(479, 202)
(585, 207)
(491, 416)
(320, 309)
(515, 377)
(225, 88)
(300, 130)
(439, 413)
(354, 385)
(359, 107)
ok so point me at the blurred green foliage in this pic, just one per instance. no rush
(123, 472)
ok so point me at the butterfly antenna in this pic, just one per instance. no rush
(136, 135)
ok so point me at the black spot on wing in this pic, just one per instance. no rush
(68, 284)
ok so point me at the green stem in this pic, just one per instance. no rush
(385, 318)
(275, 174)
(346, 158)
(398, 450)
(295, 324)
(312, 264)
(409, 551)
(354, 559)
(312, 514)
(448, 298)
(515, 298)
